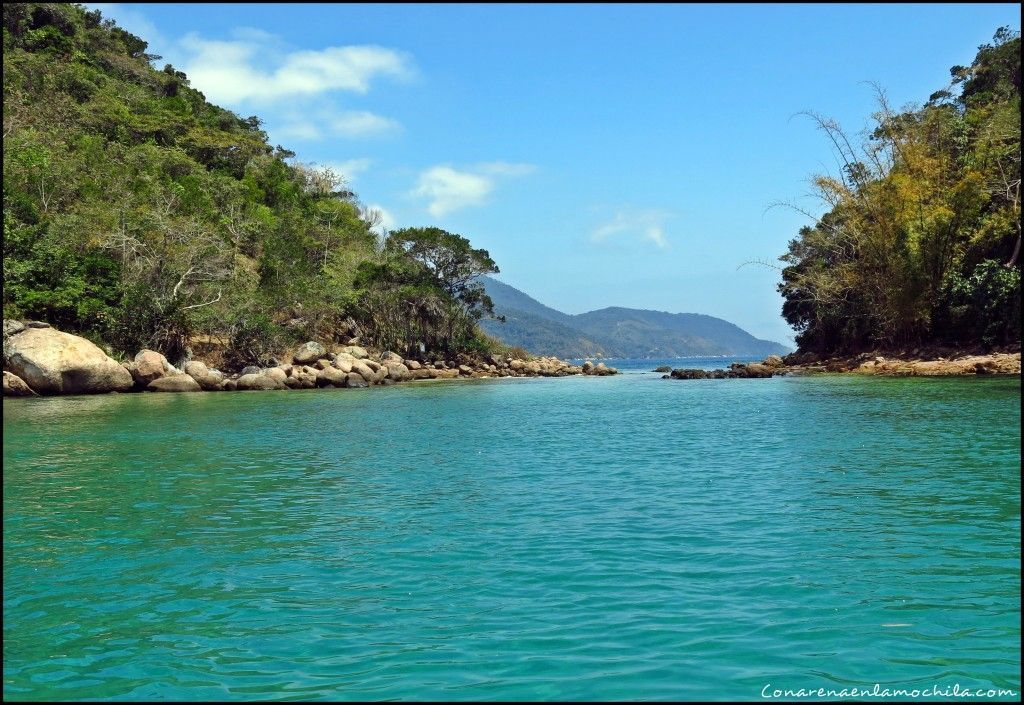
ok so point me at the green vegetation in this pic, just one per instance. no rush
(140, 215)
(921, 241)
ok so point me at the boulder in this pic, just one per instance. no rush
(355, 351)
(397, 371)
(356, 381)
(756, 371)
(389, 357)
(209, 380)
(465, 369)
(230, 385)
(331, 376)
(150, 365)
(174, 383)
(12, 327)
(14, 386)
(773, 361)
(250, 370)
(663, 368)
(309, 352)
(344, 364)
(363, 371)
(53, 362)
(276, 373)
(588, 367)
(258, 382)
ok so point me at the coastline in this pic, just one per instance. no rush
(930, 362)
(40, 360)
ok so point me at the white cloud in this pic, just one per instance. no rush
(448, 189)
(385, 220)
(350, 169)
(647, 225)
(506, 169)
(236, 71)
(299, 130)
(361, 123)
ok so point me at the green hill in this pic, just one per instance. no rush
(615, 332)
(140, 215)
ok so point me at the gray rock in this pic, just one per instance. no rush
(12, 327)
(250, 370)
(309, 352)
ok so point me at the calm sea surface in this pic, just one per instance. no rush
(580, 538)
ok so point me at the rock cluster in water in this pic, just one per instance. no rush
(771, 366)
(916, 363)
(39, 359)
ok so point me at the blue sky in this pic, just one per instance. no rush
(605, 155)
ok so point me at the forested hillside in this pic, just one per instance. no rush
(921, 240)
(140, 215)
(615, 332)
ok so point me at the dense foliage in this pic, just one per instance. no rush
(921, 240)
(140, 215)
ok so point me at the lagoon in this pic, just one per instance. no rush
(620, 537)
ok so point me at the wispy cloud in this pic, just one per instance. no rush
(646, 225)
(448, 189)
(505, 169)
(350, 169)
(252, 68)
(362, 123)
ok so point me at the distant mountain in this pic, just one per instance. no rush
(616, 331)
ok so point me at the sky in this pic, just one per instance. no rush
(605, 155)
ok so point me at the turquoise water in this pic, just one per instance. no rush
(580, 538)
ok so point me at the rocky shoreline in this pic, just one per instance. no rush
(41, 360)
(935, 362)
